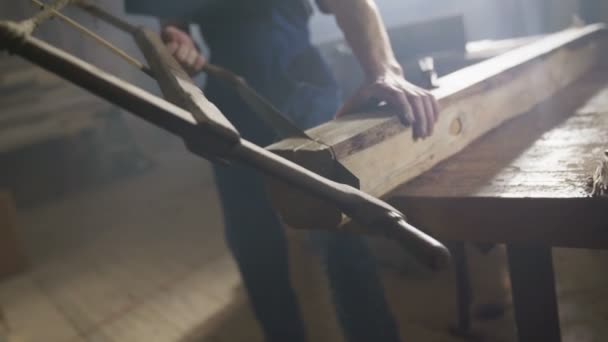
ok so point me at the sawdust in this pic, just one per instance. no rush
(599, 182)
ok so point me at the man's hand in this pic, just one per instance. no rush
(365, 32)
(415, 106)
(183, 48)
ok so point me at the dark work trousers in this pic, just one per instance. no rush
(275, 56)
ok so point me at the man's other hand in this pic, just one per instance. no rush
(183, 48)
(415, 106)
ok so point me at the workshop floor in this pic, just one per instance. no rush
(143, 259)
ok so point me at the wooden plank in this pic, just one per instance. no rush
(526, 182)
(12, 258)
(381, 153)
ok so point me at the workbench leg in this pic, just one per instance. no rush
(534, 296)
(463, 287)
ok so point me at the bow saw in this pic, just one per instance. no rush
(185, 111)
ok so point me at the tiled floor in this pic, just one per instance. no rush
(144, 260)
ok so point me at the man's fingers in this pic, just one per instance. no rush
(430, 113)
(199, 63)
(182, 52)
(182, 48)
(419, 113)
(436, 108)
(396, 100)
(195, 63)
(406, 114)
(172, 47)
(191, 58)
(169, 34)
(174, 34)
(415, 107)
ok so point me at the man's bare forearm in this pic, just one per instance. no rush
(365, 32)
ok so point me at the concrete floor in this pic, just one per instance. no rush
(143, 259)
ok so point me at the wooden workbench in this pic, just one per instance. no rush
(524, 184)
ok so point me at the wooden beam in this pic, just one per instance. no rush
(381, 153)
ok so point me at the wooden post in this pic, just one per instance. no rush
(12, 258)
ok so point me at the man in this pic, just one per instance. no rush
(267, 42)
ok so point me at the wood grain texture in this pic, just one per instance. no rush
(382, 154)
(525, 182)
